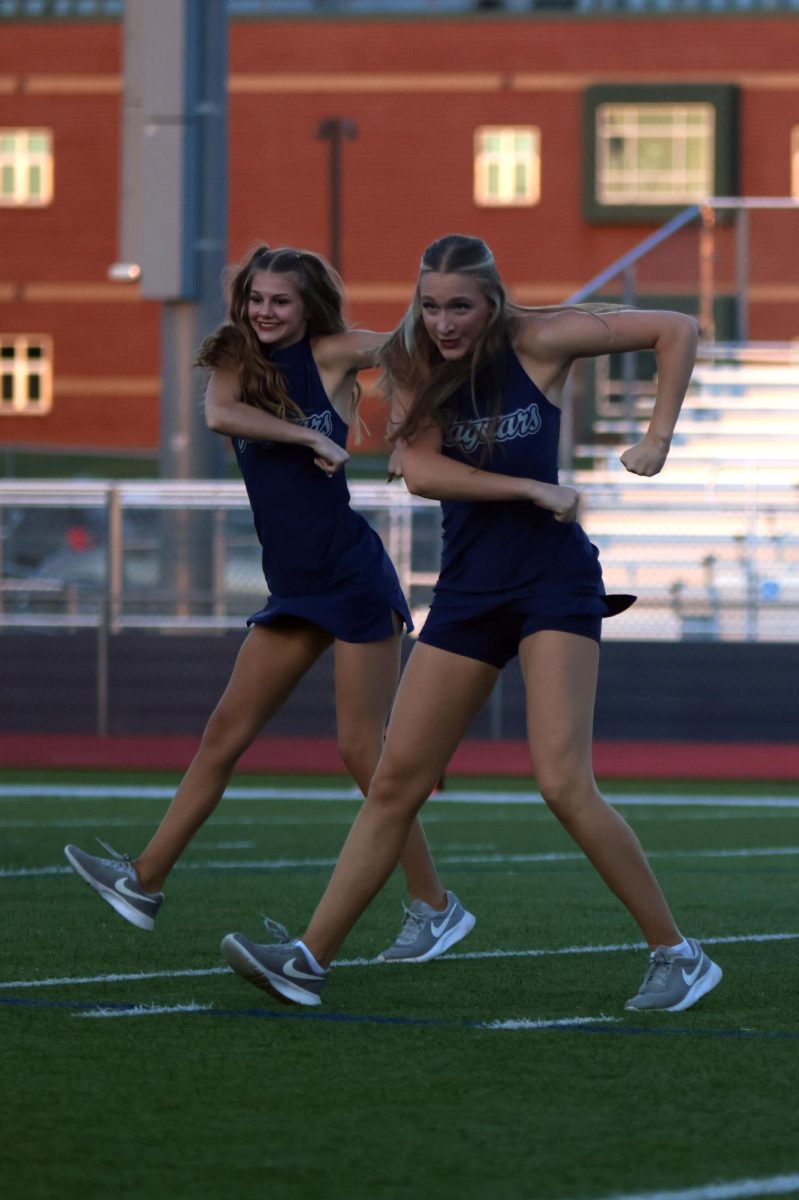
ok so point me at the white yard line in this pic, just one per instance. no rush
(614, 949)
(58, 791)
(192, 972)
(151, 1010)
(774, 1185)
(117, 791)
(145, 1010)
(451, 860)
(555, 1023)
(116, 977)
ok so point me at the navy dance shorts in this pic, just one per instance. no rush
(493, 636)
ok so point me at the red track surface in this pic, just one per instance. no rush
(617, 760)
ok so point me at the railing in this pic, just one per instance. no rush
(89, 620)
(624, 268)
(106, 553)
(69, 551)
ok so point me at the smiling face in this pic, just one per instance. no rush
(455, 312)
(275, 308)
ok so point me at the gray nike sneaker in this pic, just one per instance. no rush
(673, 982)
(280, 968)
(115, 880)
(426, 933)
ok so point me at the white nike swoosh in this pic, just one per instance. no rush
(121, 886)
(439, 929)
(691, 978)
(290, 970)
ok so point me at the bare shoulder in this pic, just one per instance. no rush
(547, 336)
(223, 382)
(354, 350)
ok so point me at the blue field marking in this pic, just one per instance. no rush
(593, 1025)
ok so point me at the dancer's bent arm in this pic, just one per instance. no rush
(547, 344)
(227, 414)
(428, 472)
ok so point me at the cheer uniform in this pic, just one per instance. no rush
(321, 560)
(508, 568)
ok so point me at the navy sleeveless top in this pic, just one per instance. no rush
(496, 551)
(321, 560)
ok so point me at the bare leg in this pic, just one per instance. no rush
(271, 662)
(366, 681)
(560, 673)
(439, 695)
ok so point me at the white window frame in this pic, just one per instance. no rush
(19, 160)
(496, 170)
(631, 183)
(16, 371)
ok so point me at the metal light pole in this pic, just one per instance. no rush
(173, 236)
(336, 130)
(173, 214)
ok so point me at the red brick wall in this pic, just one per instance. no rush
(407, 177)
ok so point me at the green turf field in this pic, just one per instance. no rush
(136, 1064)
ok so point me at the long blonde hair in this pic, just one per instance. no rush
(235, 346)
(410, 361)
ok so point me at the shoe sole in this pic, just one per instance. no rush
(117, 902)
(248, 967)
(452, 936)
(709, 980)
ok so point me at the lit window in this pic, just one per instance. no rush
(507, 165)
(654, 153)
(26, 375)
(26, 167)
(653, 149)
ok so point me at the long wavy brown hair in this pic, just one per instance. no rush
(235, 346)
(411, 362)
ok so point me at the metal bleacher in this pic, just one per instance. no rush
(712, 545)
